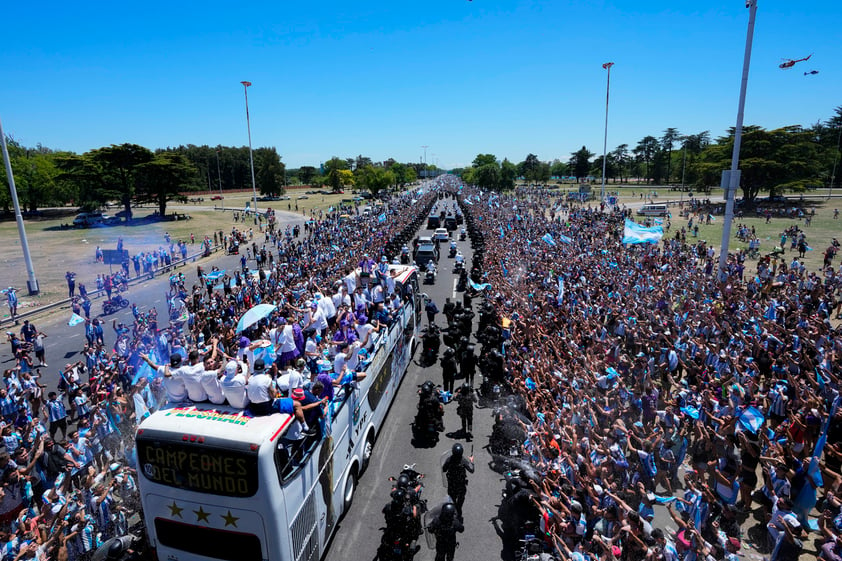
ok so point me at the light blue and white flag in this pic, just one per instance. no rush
(75, 319)
(213, 275)
(564, 239)
(634, 233)
(478, 287)
(751, 418)
(382, 218)
(549, 239)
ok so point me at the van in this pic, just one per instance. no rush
(433, 222)
(450, 222)
(425, 253)
(653, 210)
(87, 219)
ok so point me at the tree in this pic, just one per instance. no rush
(558, 168)
(270, 171)
(621, 157)
(333, 177)
(784, 159)
(484, 159)
(530, 168)
(164, 178)
(376, 179)
(580, 163)
(508, 174)
(645, 152)
(668, 140)
(119, 165)
(306, 174)
(488, 176)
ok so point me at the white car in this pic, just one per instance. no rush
(441, 234)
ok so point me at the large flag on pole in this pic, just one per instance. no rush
(634, 233)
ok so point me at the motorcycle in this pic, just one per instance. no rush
(452, 253)
(463, 235)
(430, 344)
(428, 420)
(115, 304)
(430, 274)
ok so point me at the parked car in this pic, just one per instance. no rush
(284, 198)
(216, 198)
(301, 197)
(88, 219)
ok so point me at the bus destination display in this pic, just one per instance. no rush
(201, 469)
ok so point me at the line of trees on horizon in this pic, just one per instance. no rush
(786, 159)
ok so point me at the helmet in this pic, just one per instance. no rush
(115, 551)
(398, 496)
(427, 387)
(403, 482)
(466, 388)
(448, 511)
(457, 450)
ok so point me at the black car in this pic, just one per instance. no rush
(433, 222)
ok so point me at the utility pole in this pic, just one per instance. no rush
(32, 282)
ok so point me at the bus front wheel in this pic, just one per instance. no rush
(350, 487)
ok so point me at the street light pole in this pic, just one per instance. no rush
(425, 162)
(731, 178)
(246, 85)
(606, 66)
(32, 282)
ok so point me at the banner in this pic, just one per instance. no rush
(634, 233)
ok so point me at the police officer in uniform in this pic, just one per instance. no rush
(448, 369)
(456, 469)
(465, 399)
(445, 526)
(468, 364)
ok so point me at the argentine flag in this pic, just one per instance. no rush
(549, 239)
(751, 418)
(479, 287)
(634, 233)
(382, 218)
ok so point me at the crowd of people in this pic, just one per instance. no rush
(646, 381)
(650, 382)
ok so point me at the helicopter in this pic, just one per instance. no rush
(811, 72)
(789, 63)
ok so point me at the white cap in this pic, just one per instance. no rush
(231, 368)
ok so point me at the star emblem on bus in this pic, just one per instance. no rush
(230, 519)
(175, 510)
(201, 515)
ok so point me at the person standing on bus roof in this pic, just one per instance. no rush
(259, 390)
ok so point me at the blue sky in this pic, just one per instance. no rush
(382, 79)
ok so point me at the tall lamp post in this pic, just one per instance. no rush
(731, 178)
(426, 173)
(606, 66)
(32, 282)
(246, 85)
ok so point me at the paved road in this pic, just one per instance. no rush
(359, 533)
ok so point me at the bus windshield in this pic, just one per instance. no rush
(204, 468)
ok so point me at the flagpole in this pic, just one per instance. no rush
(246, 85)
(732, 177)
(607, 66)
